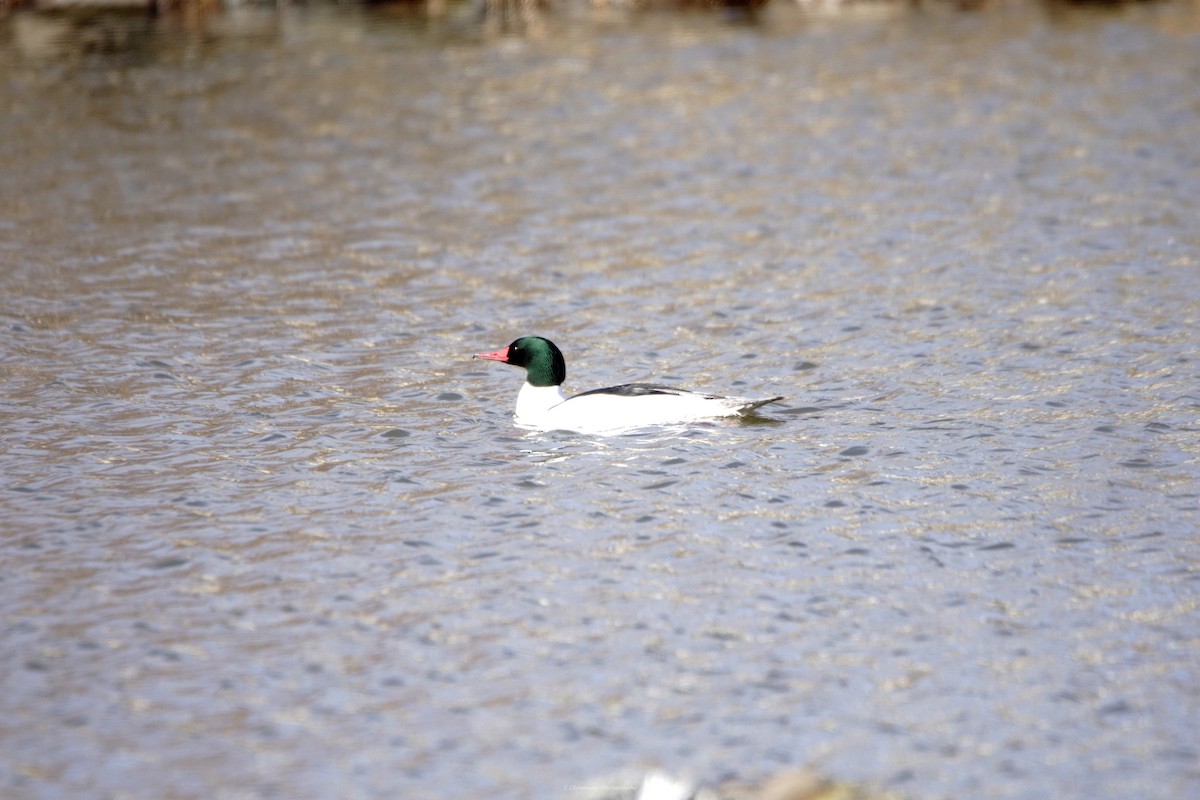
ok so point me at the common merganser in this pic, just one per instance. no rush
(541, 403)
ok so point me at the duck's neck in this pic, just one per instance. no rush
(534, 401)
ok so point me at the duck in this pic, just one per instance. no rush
(542, 405)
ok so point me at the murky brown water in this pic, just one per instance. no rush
(268, 531)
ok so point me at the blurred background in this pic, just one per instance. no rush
(266, 531)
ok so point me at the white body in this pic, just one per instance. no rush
(547, 408)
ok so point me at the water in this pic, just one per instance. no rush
(269, 532)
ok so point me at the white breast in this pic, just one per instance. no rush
(534, 401)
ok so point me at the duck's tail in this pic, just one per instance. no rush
(753, 405)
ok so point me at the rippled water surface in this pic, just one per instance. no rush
(269, 532)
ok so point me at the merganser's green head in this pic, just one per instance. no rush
(543, 362)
